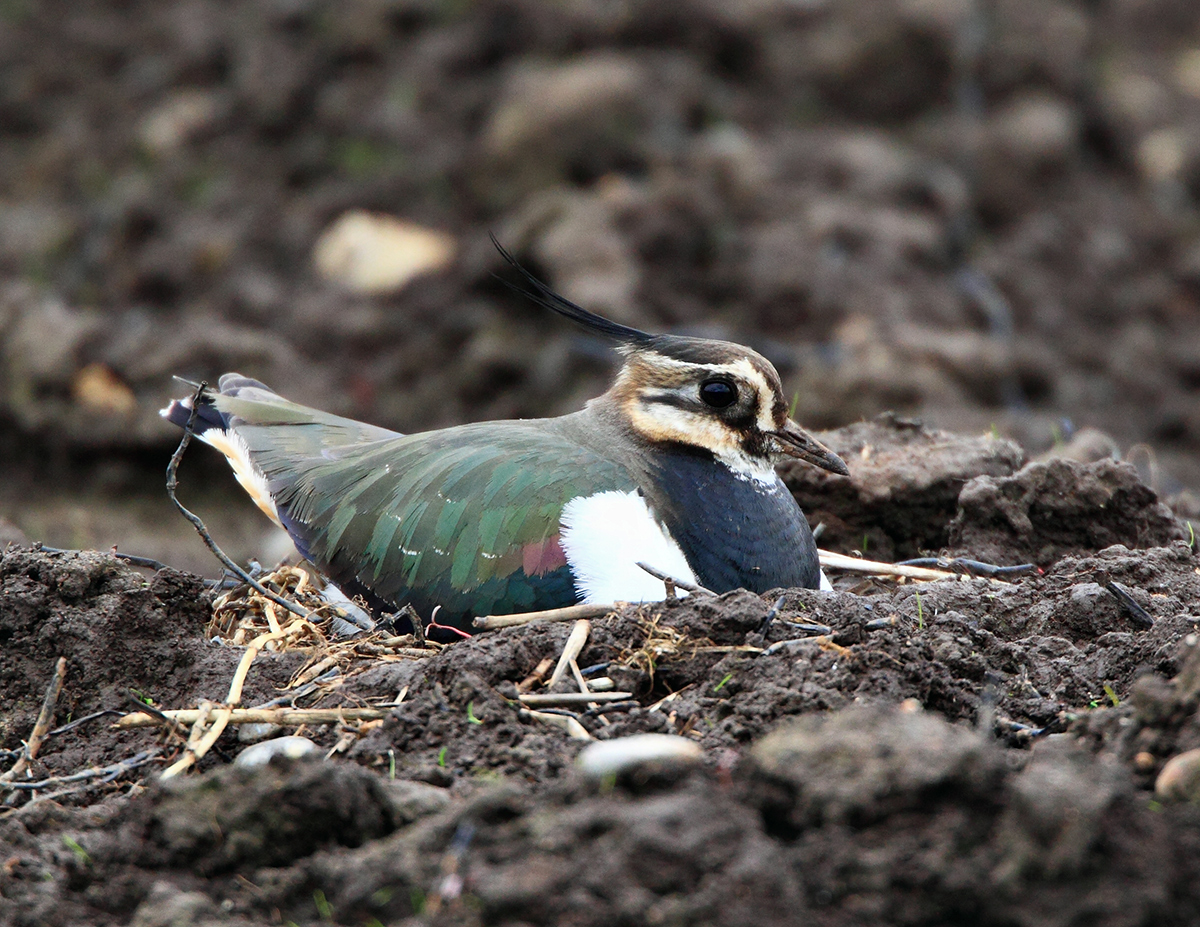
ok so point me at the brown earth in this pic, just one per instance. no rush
(982, 215)
(963, 751)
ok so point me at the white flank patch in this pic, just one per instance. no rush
(238, 455)
(826, 585)
(605, 536)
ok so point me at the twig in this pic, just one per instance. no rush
(173, 483)
(300, 692)
(666, 698)
(571, 649)
(285, 717)
(200, 744)
(170, 724)
(113, 770)
(554, 700)
(44, 719)
(804, 628)
(672, 581)
(312, 672)
(574, 729)
(414, 620)
(602, 710)
(132, 559)
(788, 644)
(80, 722)
(771, 615)
(414, 653)
(538, 674)
(970, 567)
(569, 613)
(147, 562)
(1129, 605)
(832, 561)
(581, 682)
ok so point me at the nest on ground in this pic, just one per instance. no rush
(661, 644)
(243, 614)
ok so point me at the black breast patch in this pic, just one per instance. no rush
(735, 533)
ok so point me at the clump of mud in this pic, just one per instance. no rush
(959, 751)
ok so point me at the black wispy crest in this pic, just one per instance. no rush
(547, 298)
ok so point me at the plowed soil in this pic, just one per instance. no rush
(982, 215)
(962, 751)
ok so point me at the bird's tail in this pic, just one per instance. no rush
(267, 439)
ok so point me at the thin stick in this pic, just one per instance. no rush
(172, 726)
(554, 700)
(41, 727)
(794, 642)
(569, 613)
(571, 649)
(173, 483)
(538, 674)
(418, 628)
(133, 762)
(579, 680)
(312, 672)
(286, 717)
(672, 581)
(79, 722)
(830, 560)
(196, 749)
(574, 729)
(394, 645)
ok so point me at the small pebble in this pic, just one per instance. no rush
(1179, 779)
(261, 754)
(253, 733)
(613, 757)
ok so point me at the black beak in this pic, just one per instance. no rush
(796, 442)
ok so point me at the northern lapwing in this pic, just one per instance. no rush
(673, 466)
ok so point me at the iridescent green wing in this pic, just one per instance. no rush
(466, 518)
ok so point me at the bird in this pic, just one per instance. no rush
(673, 466)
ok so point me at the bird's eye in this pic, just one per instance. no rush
(718, 393)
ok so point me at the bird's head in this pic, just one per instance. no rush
(715, 395)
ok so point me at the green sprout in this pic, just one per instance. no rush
(81, 855)
(324, 908)
(471, 714)
(721, 685)
(1112, 696)
(442, 757)
(920, 613)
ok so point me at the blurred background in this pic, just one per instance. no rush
(985, 213)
